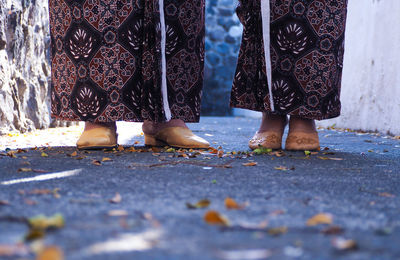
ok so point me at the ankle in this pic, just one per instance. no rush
(273, 123)
(300, 124)
(151, 128)
(91, 125)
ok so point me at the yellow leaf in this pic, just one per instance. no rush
(249, 164)
(116, 199)
(199, 205)
(319, 219)
(51, 253)
(25, 169)
(74, 154)
(214, 218)
(232, 204)
(106, 159)
(282, 168)
(44, 154)
(42, 222)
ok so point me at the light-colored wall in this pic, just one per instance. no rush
(371, 77)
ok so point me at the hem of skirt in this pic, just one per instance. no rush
(319, 118)
(135, 120)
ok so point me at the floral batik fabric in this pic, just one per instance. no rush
(291, 57)
(127, 60)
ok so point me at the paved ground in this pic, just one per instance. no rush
(355, 180)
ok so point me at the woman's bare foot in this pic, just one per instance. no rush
(270, 133)
(302, 135)
(152, 128)
(173, 133)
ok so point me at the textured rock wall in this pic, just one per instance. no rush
(24, 65)
(223, 37)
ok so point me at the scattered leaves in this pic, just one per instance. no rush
(205, 203)
(214, 218)
(319, 219)
(116, 199)
(232, 204)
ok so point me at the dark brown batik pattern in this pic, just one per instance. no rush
(106, 59)
(307, 47)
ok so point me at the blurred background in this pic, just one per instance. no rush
(371, 80)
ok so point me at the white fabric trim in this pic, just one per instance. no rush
(164, 88)
(266, 21)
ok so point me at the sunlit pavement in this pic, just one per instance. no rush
(132, 203)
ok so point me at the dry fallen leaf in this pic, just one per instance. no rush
(330, 158)
(4, 202)
(277, 231)
(386, 194)
(116, 199)
(319, 219)
(214, 218)
(199, 205)
(96, 162)
(106, 159)
(44, 154)
(74, 154)
(344, 244)
(220, 153)
(25, 170)
(121, 148)
(232, 204)
(333, 230)
(250, 164)
(51, 253)
(118, 213)
(40, 224)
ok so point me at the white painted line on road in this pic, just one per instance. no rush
(43, 177)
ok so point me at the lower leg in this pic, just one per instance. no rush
(275, 123)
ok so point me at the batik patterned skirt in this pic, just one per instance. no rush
(127, 60)
(299, 68)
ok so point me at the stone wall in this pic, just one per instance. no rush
(223, 37)
(24, 65)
